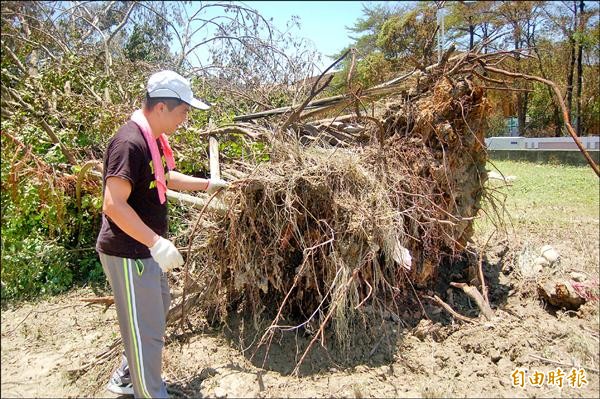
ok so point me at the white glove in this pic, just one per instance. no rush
(166, 255)
(215, 184)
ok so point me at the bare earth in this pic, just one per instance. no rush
(433, 356)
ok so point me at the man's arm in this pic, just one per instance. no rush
(179, 181)
(115, 206)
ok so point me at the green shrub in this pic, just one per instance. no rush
(47, 240)
(32, 266)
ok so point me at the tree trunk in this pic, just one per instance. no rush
(471, 36)
(556, 111)
(557, 122)
(522, 99)
(521, 96)
(571, 69)
(484, 28)
(570, 76)
(578, 126)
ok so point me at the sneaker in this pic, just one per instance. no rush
(120, 385)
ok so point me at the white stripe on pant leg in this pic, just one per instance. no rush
(137, 329)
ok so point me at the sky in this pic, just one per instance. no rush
(322, 22)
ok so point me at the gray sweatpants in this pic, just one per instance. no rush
(142, 299)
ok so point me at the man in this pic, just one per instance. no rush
(133, 250)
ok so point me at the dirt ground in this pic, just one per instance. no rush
(416, 355)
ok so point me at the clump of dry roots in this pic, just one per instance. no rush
(319, 234)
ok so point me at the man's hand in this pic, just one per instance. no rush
(166, 255)
(215, 184)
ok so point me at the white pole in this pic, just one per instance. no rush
(443, 32)
(213, 151)
(441, 36)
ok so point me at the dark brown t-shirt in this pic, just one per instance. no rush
(128, 156)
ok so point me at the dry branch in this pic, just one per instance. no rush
(449, 309)
(105, 300)
(474, 294)
(561, 103)
(313, 92)
(251, 132)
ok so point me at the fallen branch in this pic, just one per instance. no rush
(449, 309)
(105, 300)
(313, 92)
(323, 103)
(228, 130)
(477, 297)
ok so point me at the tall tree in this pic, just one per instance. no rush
(365, 30)
(521, 17)
(371, 64)
(470, 19)
(410, 36)
(580, 36)
(563, 16)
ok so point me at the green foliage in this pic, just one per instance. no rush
(374, 69)
(391, 38)
(496, 126)
(235, 147)
(32, 267)
(41, 241)
(149, 41)
(409, 35)
(47, 242)
(539, 107)
(279, 98)
(369, 26)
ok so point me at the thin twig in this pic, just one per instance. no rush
(449, 309)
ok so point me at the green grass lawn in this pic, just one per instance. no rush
(549, 194)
